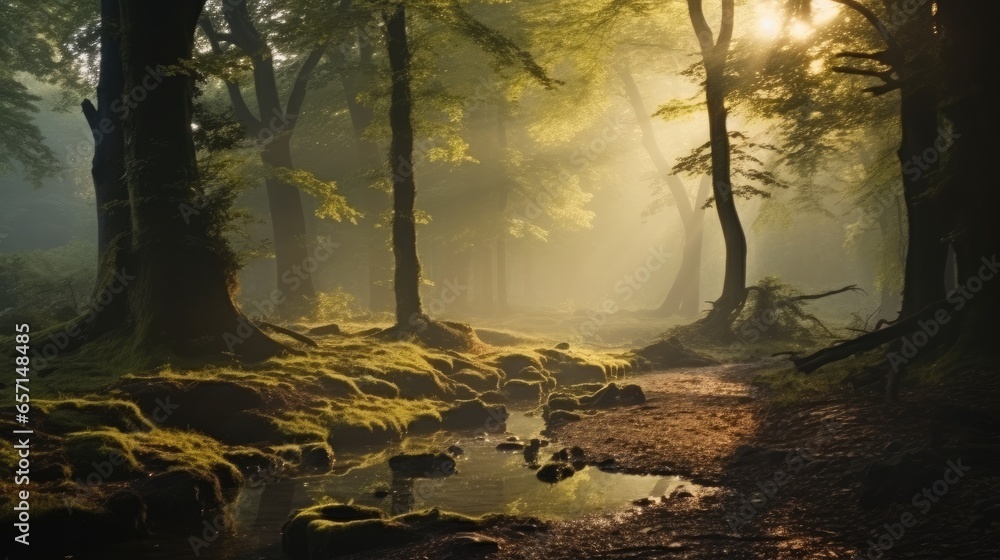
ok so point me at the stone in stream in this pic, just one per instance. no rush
(423, 465)
(531, 452)
(455, 450)
(562, 346)
(554, 472)
(510, 446)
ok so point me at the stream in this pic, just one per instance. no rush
(486, 481)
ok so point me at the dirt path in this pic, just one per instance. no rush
(780, 482)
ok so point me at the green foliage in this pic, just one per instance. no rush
(23, 50)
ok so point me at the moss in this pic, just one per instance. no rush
(377, 387)
(478, 380)
(519, 390)
(100, 456)
(513, 363)
(323, 531)
(75, 415)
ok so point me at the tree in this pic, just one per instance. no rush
(683, 297)
(714, 53)
(165, 283)
(272, 125)
(23, 48)
(409, 311)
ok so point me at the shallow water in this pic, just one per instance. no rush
(486, 481)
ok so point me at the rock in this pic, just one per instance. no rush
(317, 457)
(512, 364)
(250, 426)
(577, 373)
(531, 451)
(423, 465)
(643, 502)
(554, 472)
(562, 346)
(376, 387)
(455, 450)
(671, 353)
(510, 446)
(381, 493)
(475, 414)
(523, 391)
(558, 417)
(331, 329)
(475, 543)
(512, 438)
(579, 465)
(530, 373)
(609, 466)
(424, 423)
(576, 451)
(182, 498)
(493, 397)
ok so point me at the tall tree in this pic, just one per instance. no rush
(713, 54)
(272, 125)
(683, 298)
(404, 190)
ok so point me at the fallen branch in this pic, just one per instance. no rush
(865, 342)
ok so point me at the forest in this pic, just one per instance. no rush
(611, 279)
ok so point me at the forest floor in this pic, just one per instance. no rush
(776, 464)
(837, 476)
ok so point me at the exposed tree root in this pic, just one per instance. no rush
(444, 335)
(288, 332)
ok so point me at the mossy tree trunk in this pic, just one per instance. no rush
(108, 172)
(184, 271)
(406, 278)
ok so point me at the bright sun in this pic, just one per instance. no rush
(770, 23)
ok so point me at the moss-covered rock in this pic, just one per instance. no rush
(99, 456)
(78, 415)
(513, 364)
(478, 380)
(518, 390)
(475, 414)
(377, 387)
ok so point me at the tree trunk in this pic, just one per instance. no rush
(927, 249)
(406, 278)
(683, 297)
(107, 309)
(374, 201)
(273, 127)
(180, 296)
(714, 55)
(969, 197)
(289, 228)
(502, 198)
